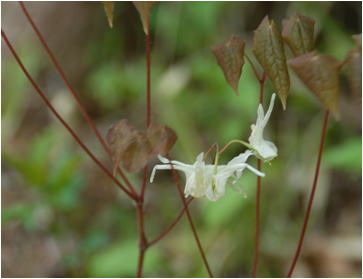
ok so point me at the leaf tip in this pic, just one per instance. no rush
(108, 6)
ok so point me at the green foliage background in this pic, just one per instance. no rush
(62, 217)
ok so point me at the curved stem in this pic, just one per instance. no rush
(235, 141)
(73, 92)
(258, 196)
(214, 145)
(189, 216)
(65, 124)
(312, 194)
(172, 225)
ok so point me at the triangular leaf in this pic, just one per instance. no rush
(320, 73)
(229, 55)
(108, 5)
(269, 51)
(144, 9)
(298, 32)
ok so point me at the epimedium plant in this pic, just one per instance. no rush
(131, 149)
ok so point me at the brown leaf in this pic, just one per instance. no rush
(133, 149)
(298, 32)
(353, 62)
(108, 5)
(229, 55)
(137, 154)
(123, 139)
(161, 138)
(144, 9)
(269, 51)
(320, 74)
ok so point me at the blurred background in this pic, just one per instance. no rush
(61, 216)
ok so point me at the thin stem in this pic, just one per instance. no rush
(57, 115)
(214, 145)
(189, 216)
(143, 244)
(148, 79)
(73, 92)
(142, 238)
(235, 141)
(257, 225)
(258, 196)
(172, 225)
(312, 194)
(140, 263)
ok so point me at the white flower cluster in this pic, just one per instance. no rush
(210, 180)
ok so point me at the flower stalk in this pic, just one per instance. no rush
(312, 195)
(256, 253)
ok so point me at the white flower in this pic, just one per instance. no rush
(265, 150)
(206, 179)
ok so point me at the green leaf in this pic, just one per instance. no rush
(269, 50)
(298, 32)
(229, 55)
(320, 73)
(108, 5)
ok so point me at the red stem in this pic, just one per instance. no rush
(143, 244)
(172, 225)
(148, 79)
(258, 195)
(312, 194)
(53, 110)
(189, 216)
(142, 238)
(73, 92)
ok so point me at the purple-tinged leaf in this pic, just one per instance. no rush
(298, 33)
(268, 48)
(229, 55)
(320, 73)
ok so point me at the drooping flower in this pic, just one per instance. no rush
(198, 176)
(207, 179)
(263, 149)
